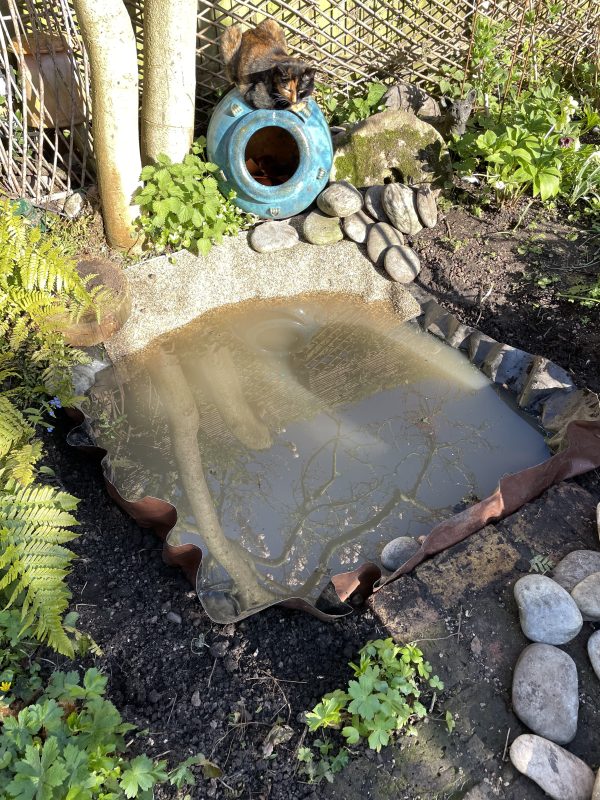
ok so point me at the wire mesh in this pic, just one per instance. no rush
(45, 133)
(45, 142)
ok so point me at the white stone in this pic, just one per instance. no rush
(559, 773)
(587, 596)
(576, 566)
(402, 264)
(272, 236)
(357, 226)
(374, 203)
(399, 203)
(545, 692)
(548, 613)
(340, 199)
(593, 648)
(381, 237)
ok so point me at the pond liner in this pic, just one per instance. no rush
(581, 454)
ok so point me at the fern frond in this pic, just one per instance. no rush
(13, 426)
(35, 524)
(22, 460)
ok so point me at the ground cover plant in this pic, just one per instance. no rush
(381, 702)
(181, 204)
(60, 738)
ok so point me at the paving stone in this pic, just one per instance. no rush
(357, 226)
(576, 566)
(402, 264)
(593, 648)
(320, 228)
(340, 199)
(485, 560)
(547, 612)
(273, 235)
(560, 774)
(374, 203)
(398, 551)
(545, 692)
(399, 203)
(587, 596)
(381, 237)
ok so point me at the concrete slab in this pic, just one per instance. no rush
(168, 293)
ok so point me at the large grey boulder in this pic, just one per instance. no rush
(576, 566)
(547, 612)
(545, 692)
(559, 773)
(391, 144)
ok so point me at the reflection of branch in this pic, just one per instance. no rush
(182, 414)
(217, 375)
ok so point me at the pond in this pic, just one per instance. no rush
(297, 437)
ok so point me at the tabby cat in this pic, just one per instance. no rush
(257, 61)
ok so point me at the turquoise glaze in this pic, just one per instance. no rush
(233, 123)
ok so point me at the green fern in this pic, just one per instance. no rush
(39, 289)
(36, 523)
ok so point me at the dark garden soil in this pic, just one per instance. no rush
(197, 687)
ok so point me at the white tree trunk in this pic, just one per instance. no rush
(169, 78)
(110, 44)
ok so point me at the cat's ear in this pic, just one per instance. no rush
(280, 70)
(471, 96)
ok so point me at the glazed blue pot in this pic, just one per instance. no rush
(277, 162)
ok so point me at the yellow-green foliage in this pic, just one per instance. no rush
(39, 289)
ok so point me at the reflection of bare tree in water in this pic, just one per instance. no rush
(215, 399)
(305, 530)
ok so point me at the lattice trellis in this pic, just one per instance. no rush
(43, 154)
(45, 143)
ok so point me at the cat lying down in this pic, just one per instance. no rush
(257, 61)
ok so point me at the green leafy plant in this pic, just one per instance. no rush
(69, 744)
(533, 148)
(40, 290)
(381, 701)
(181, 204)
(350, 106)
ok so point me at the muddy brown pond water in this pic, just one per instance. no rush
(296, 438)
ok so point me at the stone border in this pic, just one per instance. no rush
(542, 388)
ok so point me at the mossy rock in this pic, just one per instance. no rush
(392, 144)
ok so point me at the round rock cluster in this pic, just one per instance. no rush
(381, 219)
(545, 691)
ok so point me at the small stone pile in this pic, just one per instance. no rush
(380, 220)
(545, 693)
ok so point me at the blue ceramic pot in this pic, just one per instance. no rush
(277, 162)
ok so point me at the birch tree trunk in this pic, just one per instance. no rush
(110, 44)
(169, 78)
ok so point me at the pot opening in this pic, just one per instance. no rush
(272, 156)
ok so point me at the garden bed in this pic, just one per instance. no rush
(218, 690)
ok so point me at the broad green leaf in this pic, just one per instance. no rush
(351, 734)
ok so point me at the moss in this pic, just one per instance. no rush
(368, 155)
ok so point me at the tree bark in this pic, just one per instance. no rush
(110, 44)
(169, 78)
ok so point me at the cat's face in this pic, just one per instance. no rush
(293, 83)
